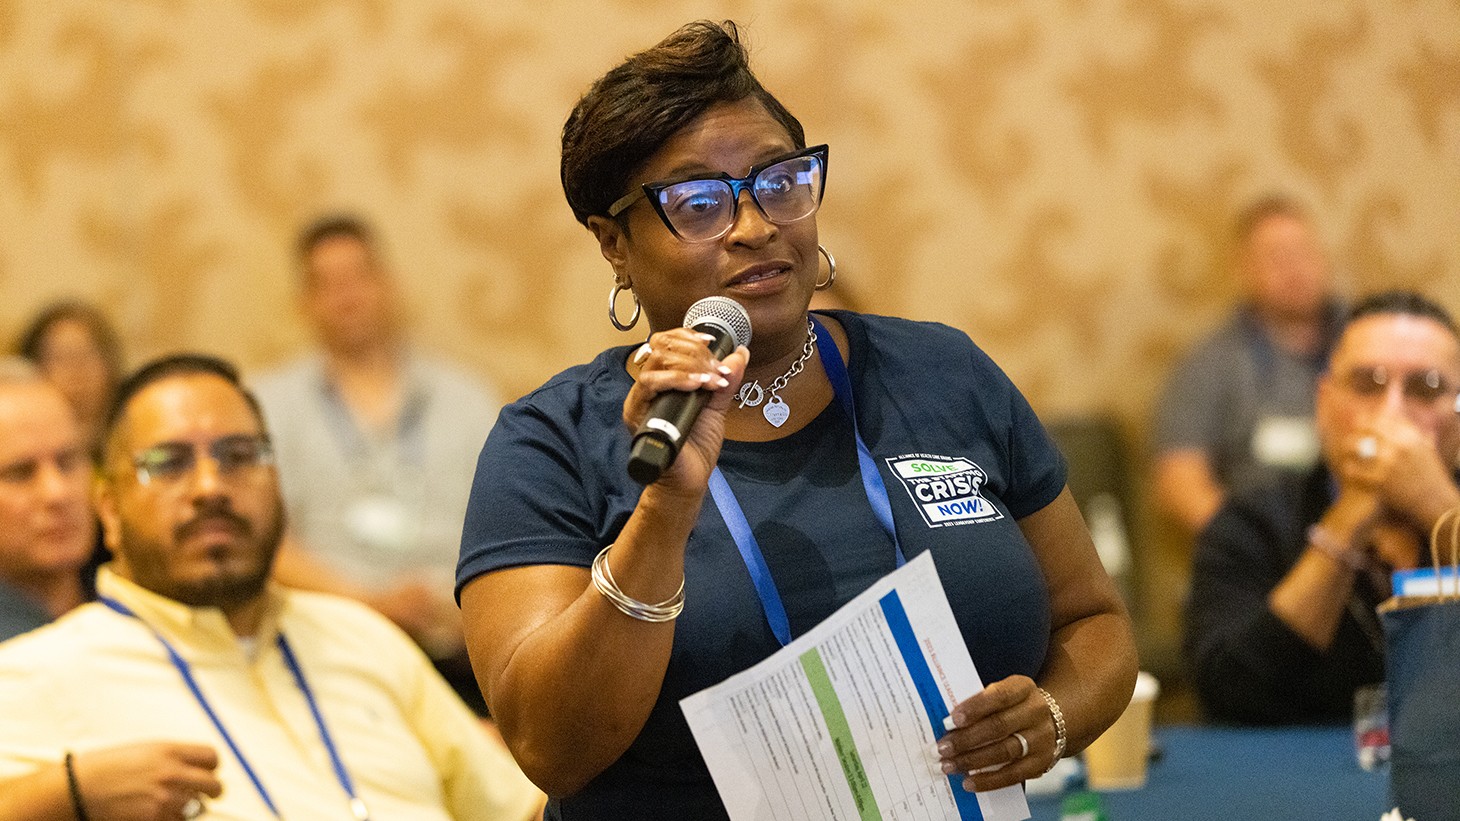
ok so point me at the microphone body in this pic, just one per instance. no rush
(658, 440)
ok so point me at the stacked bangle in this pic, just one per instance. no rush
(1061, 736)
(667, 610)
(1319, 537)
(75, 788)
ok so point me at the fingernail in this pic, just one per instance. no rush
(724, 370)
(949, 724)
(949, 768)
(705, 338)
(944, 748)
(722, 382)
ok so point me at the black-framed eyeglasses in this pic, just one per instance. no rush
(171, 462)
(699, 209)
(1425, 387)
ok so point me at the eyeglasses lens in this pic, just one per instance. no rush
(1419, 386)
(172, 461)
(704, 209)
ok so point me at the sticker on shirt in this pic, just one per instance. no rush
(945, 488)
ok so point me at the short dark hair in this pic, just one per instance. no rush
(33, 338)
(330, 226)
(628, 113)
(1405, 303)
(171, 366)
(1263, 209)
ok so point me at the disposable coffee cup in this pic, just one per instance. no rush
(1117, 759)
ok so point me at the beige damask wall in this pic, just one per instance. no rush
(1055, 177)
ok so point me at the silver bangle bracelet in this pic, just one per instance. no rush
(1061, 737)
(667, 610)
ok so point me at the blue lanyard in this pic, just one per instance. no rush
(357, 445)
(357, 806)
(740, 530)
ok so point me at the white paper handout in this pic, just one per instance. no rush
(841, 723)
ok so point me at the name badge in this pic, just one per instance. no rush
(380, 522)
(1289, 442)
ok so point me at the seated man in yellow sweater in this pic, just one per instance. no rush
(194, 686)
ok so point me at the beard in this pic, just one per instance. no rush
(235, 574)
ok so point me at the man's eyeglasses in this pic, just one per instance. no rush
(786, 189)
(171, 462)
(1424, 387)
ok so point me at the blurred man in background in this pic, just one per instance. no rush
(1239, 409)
(1281, 625)
(46, 527)
(377, 447)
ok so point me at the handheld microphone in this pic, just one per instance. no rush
(673, 413)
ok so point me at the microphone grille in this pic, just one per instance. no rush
(729, 312)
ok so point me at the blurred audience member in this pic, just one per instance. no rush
(46, 526)
(1238, 410)
(377, 447)
(223, 690)
(76, 348)
(1281, 626)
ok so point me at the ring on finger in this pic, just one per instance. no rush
(193, 808)
(1367, 448)
(1023, 745)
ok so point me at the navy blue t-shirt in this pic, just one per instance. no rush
(961, 454)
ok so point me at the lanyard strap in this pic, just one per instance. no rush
(841, 384)
(407, 441)
(744, 536)
(760, 573)
(357, 806)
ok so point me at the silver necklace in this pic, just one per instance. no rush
(776, 411)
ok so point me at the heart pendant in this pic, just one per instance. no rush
(776, 411)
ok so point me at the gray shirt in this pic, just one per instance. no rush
(379, 509)
(19, 613)
(1246, 402)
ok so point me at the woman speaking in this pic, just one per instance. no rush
(593, 604)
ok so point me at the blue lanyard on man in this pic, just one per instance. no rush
(744, 536)
(357, 806)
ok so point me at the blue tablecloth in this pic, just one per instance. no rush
(1282, 774)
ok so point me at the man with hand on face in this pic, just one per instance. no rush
(193, 686)
(1281, 625)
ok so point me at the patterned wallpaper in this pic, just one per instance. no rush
(1054, 177)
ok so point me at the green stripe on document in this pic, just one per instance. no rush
(841, 735)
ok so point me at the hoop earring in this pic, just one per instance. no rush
(613, 305)
(830, 264)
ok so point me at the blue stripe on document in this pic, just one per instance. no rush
(917, 667)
